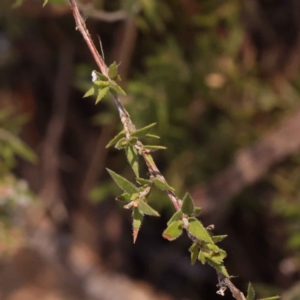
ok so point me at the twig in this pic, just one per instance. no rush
(129, 127)
(124, 116)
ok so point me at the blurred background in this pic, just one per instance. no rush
(221, 79)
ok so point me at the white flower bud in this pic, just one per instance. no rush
(94, 76)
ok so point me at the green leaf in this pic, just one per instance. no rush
(133, 140)
(146, 209)
(218, 238)
(162, 185)
(222, 254)
(154, 147)
(118, 89)
(150, 160)
(101, 83)
(101, 76)
(219, 257)
(187, 205)
(196, 211)
(116, 139)
(122, 143)
(90, 92)
(123, 183)
(45, 2)
(202, 258)
(143, 181)
(250, 292)
(143, 131)
(213, 247)
(152, 136)
(136, 222)
(218, 266)
(194, 249)
(176, 217)
(137, 218)
(101, 94)
(133, 158)
(271, 298)
(173, 231)
(113, 70)
(124, 198)
(197, 230)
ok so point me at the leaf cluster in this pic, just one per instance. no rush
(104, 84)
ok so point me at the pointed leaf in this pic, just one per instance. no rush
(162, 185)
(101, 76)
(194, 249)
(136, 223)
(176, 217)
(90, 92)
(133, 158)
(122, 143)
(143, 131)
(197, 230)
(271, 298)
(173, 231)
(123, 183)
(154, 147)
(116, 139)
(216, 259)
(101, 83)
(196, 211)
(187, 205)
(213, 247)
(152, 136)
(150, 160)
(101, 94)
(113, 70)
(218, 238)
(143, 181)
(202, 258)
(45, 3)
(250, 292)
(117, 89)
(218, 266)
(146, 209)
(222, 253)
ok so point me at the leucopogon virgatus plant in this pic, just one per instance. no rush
(134, 196)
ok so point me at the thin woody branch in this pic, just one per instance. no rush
(129, 127)
(80, 25)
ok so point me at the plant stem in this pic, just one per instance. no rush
(130, 127)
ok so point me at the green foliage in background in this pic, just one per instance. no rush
(13, 191)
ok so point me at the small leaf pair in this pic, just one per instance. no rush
(134, 198)
(94, 89)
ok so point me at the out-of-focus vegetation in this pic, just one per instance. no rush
(217, 77)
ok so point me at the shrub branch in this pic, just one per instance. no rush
(185, 209)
